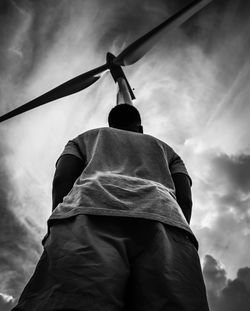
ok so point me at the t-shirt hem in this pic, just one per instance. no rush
(120, 213)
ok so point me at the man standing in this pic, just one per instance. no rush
(119, 235)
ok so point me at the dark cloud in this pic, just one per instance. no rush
(234, 296)
(225, 294)
(214, 274)
(231, 175)
(6, 302)
(244, 276)
(141, 16)
(234, 171)
(28, 31)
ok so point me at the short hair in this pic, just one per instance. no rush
(124, 115)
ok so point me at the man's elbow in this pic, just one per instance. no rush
(58, 180)
(188, 202)
(60, 188)
(186, 207)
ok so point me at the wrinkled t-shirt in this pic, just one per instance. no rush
(125, 174)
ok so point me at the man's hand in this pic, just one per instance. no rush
(183, 194)
(68, 169)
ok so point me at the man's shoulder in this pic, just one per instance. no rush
(113, 131)
(91, 132)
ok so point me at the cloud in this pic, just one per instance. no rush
(221, 207)
(244, 276)
(234, 171)
(7, 302)
(223, 40)
(20, 231)
(225, 294)
(215, 275)
(231, 176)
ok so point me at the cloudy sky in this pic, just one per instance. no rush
(192, 90)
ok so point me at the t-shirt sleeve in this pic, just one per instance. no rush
(73, 147)
(176, 165)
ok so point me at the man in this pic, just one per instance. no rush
(118, 239)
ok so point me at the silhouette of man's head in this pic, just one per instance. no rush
(125, 117)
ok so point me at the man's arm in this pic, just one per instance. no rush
(183, 194)
(68, 169)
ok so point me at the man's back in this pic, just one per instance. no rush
(125, 174)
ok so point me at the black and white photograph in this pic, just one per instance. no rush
(124, 155)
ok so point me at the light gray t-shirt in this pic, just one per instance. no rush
(126, 174)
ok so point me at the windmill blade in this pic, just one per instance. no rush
(130, 55)
(140, 47)
(70, 87)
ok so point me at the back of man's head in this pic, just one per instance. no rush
(125, 117)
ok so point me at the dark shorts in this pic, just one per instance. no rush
(101, 263)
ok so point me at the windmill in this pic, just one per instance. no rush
(128, 56)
